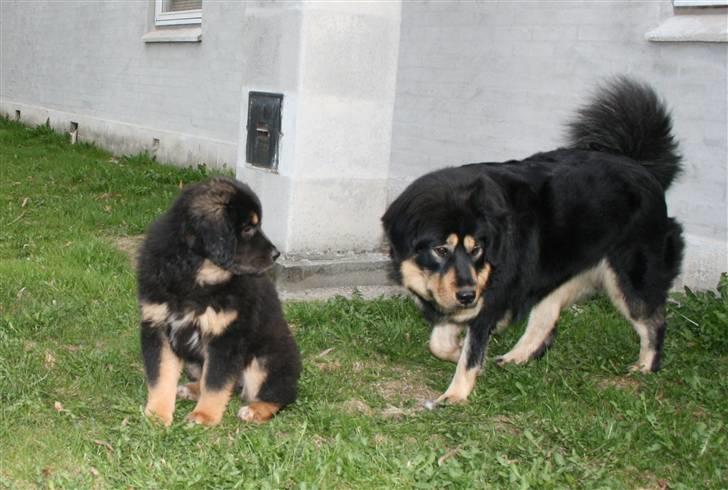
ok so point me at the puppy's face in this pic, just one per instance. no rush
(225, 226)
(450, 270)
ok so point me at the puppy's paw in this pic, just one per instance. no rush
(165, 417)
(189, 391)
(258, 412)
(200, 417)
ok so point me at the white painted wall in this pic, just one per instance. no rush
(86, 62)
(376, 94)
(490, 81)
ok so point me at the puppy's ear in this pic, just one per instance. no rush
(217, 237)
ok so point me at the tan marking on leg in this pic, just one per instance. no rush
(213, 322)
(154, 313)
(254, 376)
(445, 341)
(643, 328)
(254, 219)
(161, 397)
(189, 391)
(211, 403)
(469, 243)
(414, 278)
(543, 316)
(452, 241)
(210, 273)
(463, 381)
(258, 411)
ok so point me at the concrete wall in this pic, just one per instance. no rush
(86, 62)
(490, 81)
(330, 188)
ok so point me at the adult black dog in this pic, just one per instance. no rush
(207, 304)
(484, 243)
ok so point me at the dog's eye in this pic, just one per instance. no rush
(441, 251)
(476, 251)
(248, 230)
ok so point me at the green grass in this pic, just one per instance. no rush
(72, 387)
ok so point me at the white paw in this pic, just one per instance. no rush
(513, 358)
(184, 393)
(246, 414)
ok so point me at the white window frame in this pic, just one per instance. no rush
(700, 3)
(181, 17)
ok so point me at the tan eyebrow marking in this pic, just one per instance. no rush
(469, 243)
(452, 240)
(254, 219)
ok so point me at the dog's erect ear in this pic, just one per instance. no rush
(217, 237)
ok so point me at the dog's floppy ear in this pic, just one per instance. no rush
(487, 199)
(397, 222)
(213, 230)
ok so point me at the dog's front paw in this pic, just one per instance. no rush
(512, 358)
(449, 398)
(638, 367)
(200, 417)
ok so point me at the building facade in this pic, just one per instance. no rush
(374, 95)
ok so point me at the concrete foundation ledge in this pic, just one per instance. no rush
(297, 273)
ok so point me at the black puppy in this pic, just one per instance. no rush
(207, 304)
(485, 243)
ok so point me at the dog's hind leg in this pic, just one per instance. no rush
(649, 323)
(541, 327)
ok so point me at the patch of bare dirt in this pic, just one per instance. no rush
(355, 406)
(129, 245)
(628, 384)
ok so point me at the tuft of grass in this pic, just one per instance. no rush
(72, 387)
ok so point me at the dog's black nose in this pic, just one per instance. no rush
(465, 297)
(275, 254)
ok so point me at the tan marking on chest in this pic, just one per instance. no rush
(210, 273)
(213, 322)
(154, 313)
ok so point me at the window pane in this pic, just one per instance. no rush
(179, 5)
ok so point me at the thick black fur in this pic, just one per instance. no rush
(549, 217)
(219, 221)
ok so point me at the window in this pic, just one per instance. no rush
(700, 3)
(176, 12)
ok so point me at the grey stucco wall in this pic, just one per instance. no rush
(87, 62)
(492, 81)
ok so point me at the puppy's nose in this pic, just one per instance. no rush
(465, 297)
(275, 254)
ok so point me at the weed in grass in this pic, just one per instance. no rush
(72, 387)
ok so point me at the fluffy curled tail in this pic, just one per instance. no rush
(627, 118)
